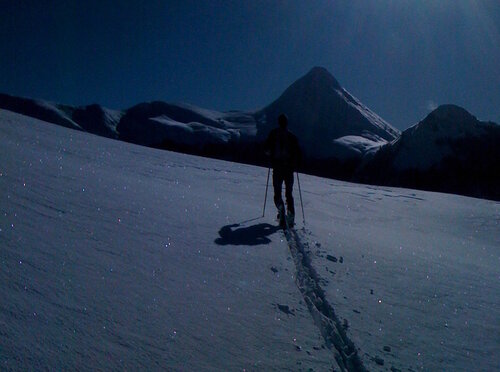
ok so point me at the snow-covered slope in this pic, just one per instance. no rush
(320, 112)
(98, 120)
(43, 110)
(154, 123)
(358, 145)
(116, 256)
(92, 118)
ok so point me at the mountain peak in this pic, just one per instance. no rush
(447, 120)
(320, 111)
(319, 70)
(453, 113)
(320, 74)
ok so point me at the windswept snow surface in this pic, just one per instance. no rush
(116, 256)
(420, 280)
(111, 258)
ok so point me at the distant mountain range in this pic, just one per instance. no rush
(450, 151)
(340, 136)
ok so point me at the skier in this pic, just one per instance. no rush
(283, 149)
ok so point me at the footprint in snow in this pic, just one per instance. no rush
(331, 258)
(286, 309)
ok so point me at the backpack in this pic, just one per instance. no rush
(282, 151)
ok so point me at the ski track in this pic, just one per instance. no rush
(323, 314)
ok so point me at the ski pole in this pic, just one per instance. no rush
(265, 198)
(301, 204)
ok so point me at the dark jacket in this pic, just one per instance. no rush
(283, 149)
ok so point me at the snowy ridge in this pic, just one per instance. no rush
(55, 108)
(162, 124)
(360, 145)
(112, 118)
(193, 133)
(367, 113)
(242, 122)
(43, 110)
(316, 104)
(203, 112)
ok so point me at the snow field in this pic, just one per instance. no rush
(116, 256)
(109, 261)
(419, 280)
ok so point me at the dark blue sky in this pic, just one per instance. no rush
(400, 57)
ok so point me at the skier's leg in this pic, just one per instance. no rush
(288, 192)
(277, 185)
(278, 200)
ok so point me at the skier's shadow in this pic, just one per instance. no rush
(251, 235)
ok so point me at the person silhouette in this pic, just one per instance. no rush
(283, 149)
